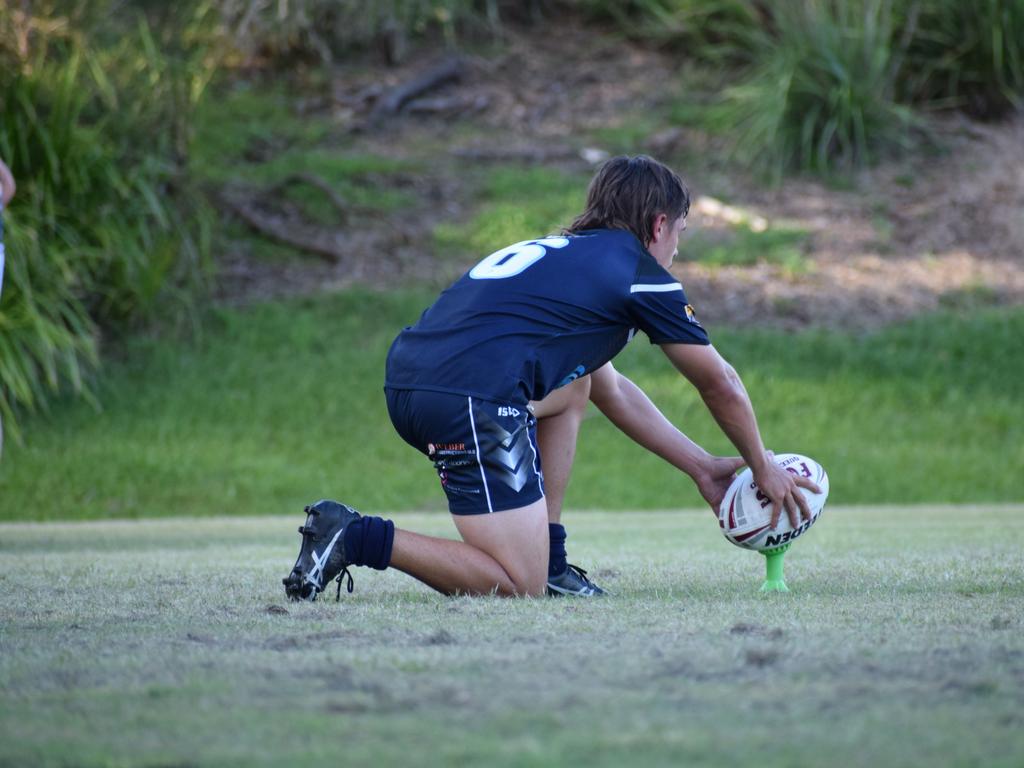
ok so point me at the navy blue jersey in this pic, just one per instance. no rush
(539, 314)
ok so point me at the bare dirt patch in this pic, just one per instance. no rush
(919, 234)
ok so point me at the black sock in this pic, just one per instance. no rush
(368, 541)
(557, 561)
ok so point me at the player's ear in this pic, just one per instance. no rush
(659, 228)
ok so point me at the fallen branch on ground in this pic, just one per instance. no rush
(393, 100)
(450, 105)
(314, 181)
(327, 244)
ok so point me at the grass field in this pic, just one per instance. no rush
(169, 643)
(282, 403)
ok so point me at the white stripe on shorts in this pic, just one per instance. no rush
(476, 444)
(536, 469)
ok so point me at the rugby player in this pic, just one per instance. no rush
(492, 382)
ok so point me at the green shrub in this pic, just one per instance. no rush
(105, 230)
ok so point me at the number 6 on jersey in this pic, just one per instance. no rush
(514, 259)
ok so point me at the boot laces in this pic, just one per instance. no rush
(350, 586)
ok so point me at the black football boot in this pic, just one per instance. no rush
(322, 555)
(573, 581)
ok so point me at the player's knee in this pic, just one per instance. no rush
(579, 394)
(532, 587)
(529, 582)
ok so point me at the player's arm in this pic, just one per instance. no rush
(725, 396)
(629, 409)
(7, 185)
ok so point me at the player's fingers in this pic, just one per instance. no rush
(806, 482)
(776, 514)
(792, 510)
(805, 508)
(794, 513)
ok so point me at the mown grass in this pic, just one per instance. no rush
(245, 122)
(280, 404)
(515, 200)
(742, 246)
(251, 133)
(170, 643)
(252, 137)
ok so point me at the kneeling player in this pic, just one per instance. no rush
(492, 383)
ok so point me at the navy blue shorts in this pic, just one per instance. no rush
(485, 453)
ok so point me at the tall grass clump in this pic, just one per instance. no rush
(721, 31)
(830, 85)
(966, 55)
(821, 94)
(105, 230)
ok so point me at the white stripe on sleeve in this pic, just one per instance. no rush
(654, 287)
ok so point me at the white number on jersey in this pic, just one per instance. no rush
(514, 259)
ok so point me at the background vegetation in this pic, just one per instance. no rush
(106, 229)
(121, 153)
(833, 84)
(152, 375)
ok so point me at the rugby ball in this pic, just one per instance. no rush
(745, 513)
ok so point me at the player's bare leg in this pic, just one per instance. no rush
(503, 552)
(559, 416)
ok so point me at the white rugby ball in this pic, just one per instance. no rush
(745, 513)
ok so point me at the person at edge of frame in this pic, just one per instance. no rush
(7, 190)
(492, 382)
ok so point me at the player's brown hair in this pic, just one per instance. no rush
(628, 192)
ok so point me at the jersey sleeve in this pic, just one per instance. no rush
(658, 306)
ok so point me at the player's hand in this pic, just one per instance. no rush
(782, 488)
(714, 481)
